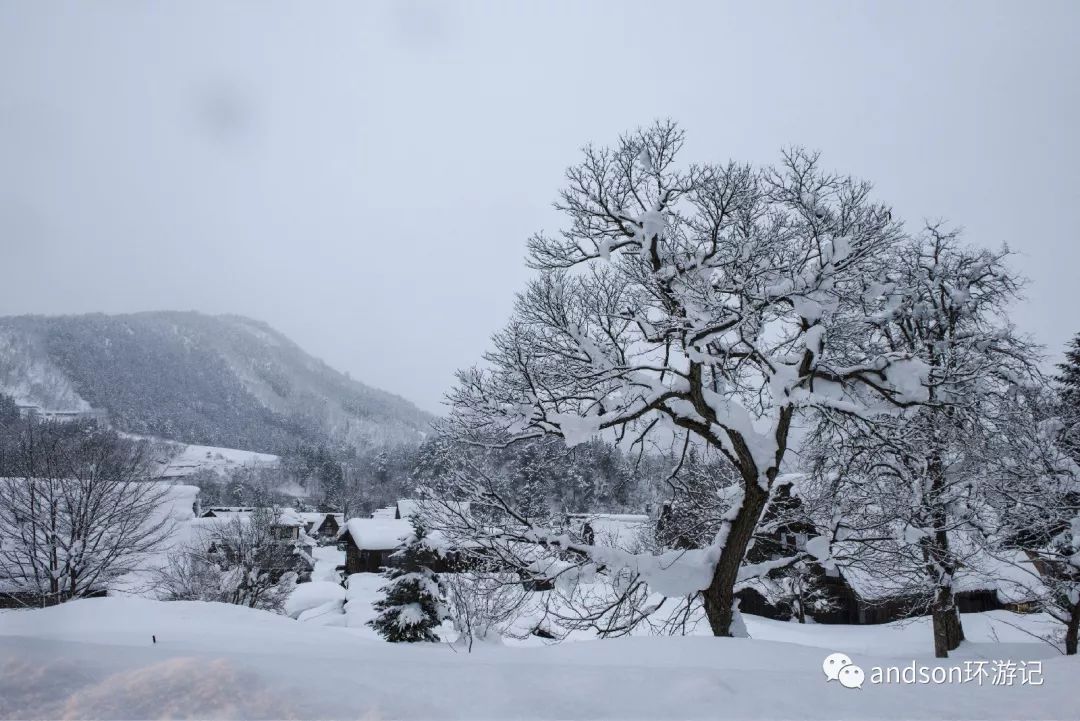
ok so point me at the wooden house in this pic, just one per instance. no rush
(330, 526)
(369, 543)
(321, 525)
(226, 511)
(857, 596)
(12, 597)
(982, 584)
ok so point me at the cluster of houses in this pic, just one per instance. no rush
(298, 533)
(316, 525)
(856, 597)
(368, 543)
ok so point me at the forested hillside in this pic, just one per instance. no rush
(215, 380)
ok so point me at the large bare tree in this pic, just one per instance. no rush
(76, 510)
(910, 490)
(694, 305)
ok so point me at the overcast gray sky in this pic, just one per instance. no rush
(363, 176)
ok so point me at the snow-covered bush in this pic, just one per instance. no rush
(191, 576)
(412, 607)
(241, 561)
(483, 606)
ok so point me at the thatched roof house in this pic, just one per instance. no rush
(323, 525)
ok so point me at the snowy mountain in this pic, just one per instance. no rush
(214, 380)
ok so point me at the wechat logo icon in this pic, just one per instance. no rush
(838, 667)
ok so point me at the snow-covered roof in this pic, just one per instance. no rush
(1011, 576)
(869, 586)
(409, 507)
(617, 530)
(289, 517)
(179, 501)
(376, 534)
(388, 512)
(318, 517)
(626, 518)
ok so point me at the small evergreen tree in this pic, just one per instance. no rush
(1069, 378)
(413, 605)
(1068, 381)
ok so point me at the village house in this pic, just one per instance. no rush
(860, 597)
(321, 525)
(856, 595)
(983, 583)
(408, 508)
(226, 511)
(625, 531)
(369, 542)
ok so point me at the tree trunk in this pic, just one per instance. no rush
(1072, 631)
(719, 597)
(948, 632)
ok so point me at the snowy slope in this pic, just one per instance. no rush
(95, 659)
(195, 458)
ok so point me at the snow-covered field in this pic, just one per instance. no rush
(95, 659)
(190, 459)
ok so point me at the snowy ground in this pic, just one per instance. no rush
(95, 659)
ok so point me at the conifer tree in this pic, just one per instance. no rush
(1069, 378)
(413, 605)
(1068, 381)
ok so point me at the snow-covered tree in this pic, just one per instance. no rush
(698, 303)
(76, 510)
(1035, 487)
(910, 491)
(242, 560)
(413, 604)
